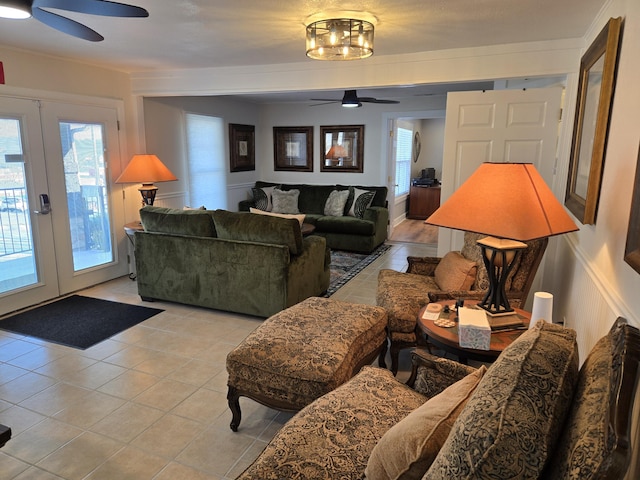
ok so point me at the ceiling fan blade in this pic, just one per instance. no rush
(94, 7)
(377, 100)
(66, 25)
(331, 100)
(324, 102)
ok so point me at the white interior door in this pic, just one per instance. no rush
(57, 217)
(497, 126)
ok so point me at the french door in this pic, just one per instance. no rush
(57, 214)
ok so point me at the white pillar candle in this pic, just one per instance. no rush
(542, 308)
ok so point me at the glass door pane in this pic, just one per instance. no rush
(86, 189)
(17, 258)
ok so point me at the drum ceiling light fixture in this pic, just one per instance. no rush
(340, 39)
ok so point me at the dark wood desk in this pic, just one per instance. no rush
(448, 340)
(423, 201)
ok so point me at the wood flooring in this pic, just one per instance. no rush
(415, 231)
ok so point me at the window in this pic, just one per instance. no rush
(206, 161)
(404, 145)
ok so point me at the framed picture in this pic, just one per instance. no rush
(293, 149)
(342, 148)
(242, 147)
(590, 130)
(632, 247)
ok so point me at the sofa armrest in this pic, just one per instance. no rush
(309, 273)
(430, 375)
(422, 265)
(376, 214)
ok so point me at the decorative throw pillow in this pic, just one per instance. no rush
(334, 206)
(588, 444)
(408, 448)
(511, 424)
(361, 201)
(299, 217)
(187, 207)
(285, 201)
(262, 198)
(454, 272)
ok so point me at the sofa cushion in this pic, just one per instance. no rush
(359, 202)
(402, 295)
(512, 422)
(299, 217)
(333, 437)
(587, 442)
(262, 198)
(408, 448)
(247, 227)
(334, 206)
(197, 223)
(380, 198)
(454, 272)
(285, 201)
(344, 224)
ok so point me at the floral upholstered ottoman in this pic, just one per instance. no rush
(303, 352)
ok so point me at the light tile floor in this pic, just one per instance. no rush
(149, 403)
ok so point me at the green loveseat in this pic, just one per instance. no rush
(238, 262)
(345, 231)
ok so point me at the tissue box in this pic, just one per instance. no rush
(474, 330)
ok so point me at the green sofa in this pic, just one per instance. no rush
(343, 232)
(238, 262)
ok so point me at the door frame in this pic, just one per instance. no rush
(389, 124)
(23, 297)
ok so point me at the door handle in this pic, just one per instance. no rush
(45, 205)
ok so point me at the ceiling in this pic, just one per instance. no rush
(188, 34)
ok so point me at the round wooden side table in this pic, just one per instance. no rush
(447, 338)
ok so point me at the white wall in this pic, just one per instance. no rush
(432, 133)
(587, 274)
(165, 136)
(164, 133)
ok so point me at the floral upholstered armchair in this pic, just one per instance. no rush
(456, 275)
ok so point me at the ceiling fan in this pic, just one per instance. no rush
(351, 99)
(39, 9)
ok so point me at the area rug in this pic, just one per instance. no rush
(346, 265)
(77, 321)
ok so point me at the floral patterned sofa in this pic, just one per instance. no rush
(532, 414)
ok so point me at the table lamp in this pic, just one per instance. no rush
(146, 169)
(336, 153)
(512, 204)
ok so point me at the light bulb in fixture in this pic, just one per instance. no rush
(14, 10)
(339, 39)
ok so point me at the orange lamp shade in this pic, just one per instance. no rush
(145, 169)
(505, 200)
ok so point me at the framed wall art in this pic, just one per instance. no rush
(293, 149)
(632, 247)
(242, 147)
(342, 148)
(590, 130)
